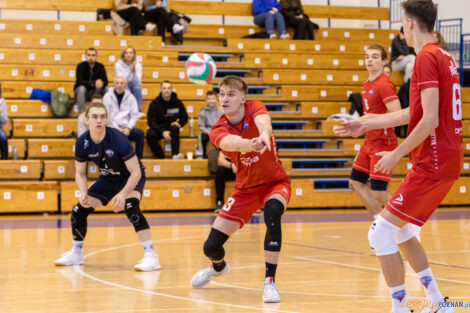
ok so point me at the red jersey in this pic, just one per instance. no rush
(375, 94)
(441, 154)
(254, 169)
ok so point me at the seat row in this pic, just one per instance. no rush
(192, 195)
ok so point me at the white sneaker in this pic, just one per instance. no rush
(150, 26)
(272, 36)
(270, 294)
(203, 277)
(71, 257)
(177, 28)
(285, 36)
(150, 262)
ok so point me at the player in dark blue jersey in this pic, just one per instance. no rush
(121, 182)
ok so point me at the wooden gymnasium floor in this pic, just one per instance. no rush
(325, 265)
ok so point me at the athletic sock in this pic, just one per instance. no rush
(218, 266)
(398, 295)
(430, 285)
(148, 245)
(271, 270)
(77, 246)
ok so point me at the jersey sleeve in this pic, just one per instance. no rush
(218, 132)
(80, 150)
(388, 92)
(126, 150)
(426, 68)
(258, 108)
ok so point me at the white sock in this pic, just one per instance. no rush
(148, 245)
(77, 245)
(430, 285)
(398, 295)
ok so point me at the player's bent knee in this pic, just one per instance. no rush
(213, 247)
(78, 220)
(134, 214)
(273, 210)
(407, 232)
(382, 237)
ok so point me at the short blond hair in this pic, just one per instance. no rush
(234, 81)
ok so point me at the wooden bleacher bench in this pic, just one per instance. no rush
(313, 11)
(73, 57)
(73, 41)
(31, 108)
(45, 127)
(23, 89)
(61, 5)
(301, 46)
(20, 169)
(96, 28)
(20, 145)
(317, 93)
(28, 196)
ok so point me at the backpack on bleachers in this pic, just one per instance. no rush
(61, 103)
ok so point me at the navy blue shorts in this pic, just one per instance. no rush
(105, 188)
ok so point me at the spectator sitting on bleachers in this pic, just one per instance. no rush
(131, 11)
(266, 13)
(439, 39)
(3, 121)
(82, 126)
(124, 112)
(208, 116)
(131, 70)
(388, 70)
(90, 78)
(166, 115)
(156, 13)
(295, 16)
(402, 59)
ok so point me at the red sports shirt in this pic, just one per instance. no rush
(441, 154)
(254, 169)
(375, 94)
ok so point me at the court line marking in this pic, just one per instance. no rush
(80, 271)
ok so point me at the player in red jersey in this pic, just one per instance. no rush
(244, 135)
(378, 97)
(434, 143)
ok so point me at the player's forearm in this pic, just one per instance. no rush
(422, 130)
(263, 123)
(235, 143)
(131, 182)
(81, 180)
(392, 119)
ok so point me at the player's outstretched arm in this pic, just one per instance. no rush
(428, 123)
(81, 180)
(133, 167)
(263, 123)
(235, 143)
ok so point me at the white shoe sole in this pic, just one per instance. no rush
(154, 268)
(65, 264)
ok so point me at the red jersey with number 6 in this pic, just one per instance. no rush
(253, 169)
(440, 155)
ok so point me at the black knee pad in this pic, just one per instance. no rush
(213, 247)
(78, 219)
(273, 210)
(134, 215)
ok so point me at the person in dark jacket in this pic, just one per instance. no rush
(402, 58)
(165, 117)
(295, 17)
(90, 78)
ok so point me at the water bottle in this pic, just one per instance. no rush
(15, 153)
(191, 127)
(199, 153)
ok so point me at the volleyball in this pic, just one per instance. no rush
(200, 68)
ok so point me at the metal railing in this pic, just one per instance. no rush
(395, 12)
(464, 55)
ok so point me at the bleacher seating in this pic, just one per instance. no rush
(301, 82)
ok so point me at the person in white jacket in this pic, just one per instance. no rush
(131, 70)
(122, 108)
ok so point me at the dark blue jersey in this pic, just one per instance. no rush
(109, 154)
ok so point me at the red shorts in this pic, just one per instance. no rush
(244, 202)
(366, 160)
(418, 197)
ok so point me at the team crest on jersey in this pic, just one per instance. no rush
(109, 153)
(85, 143)
(371, 92)
(245, 127)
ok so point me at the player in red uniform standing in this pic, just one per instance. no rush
(434, 143)
(244, 135)
(378, 97)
